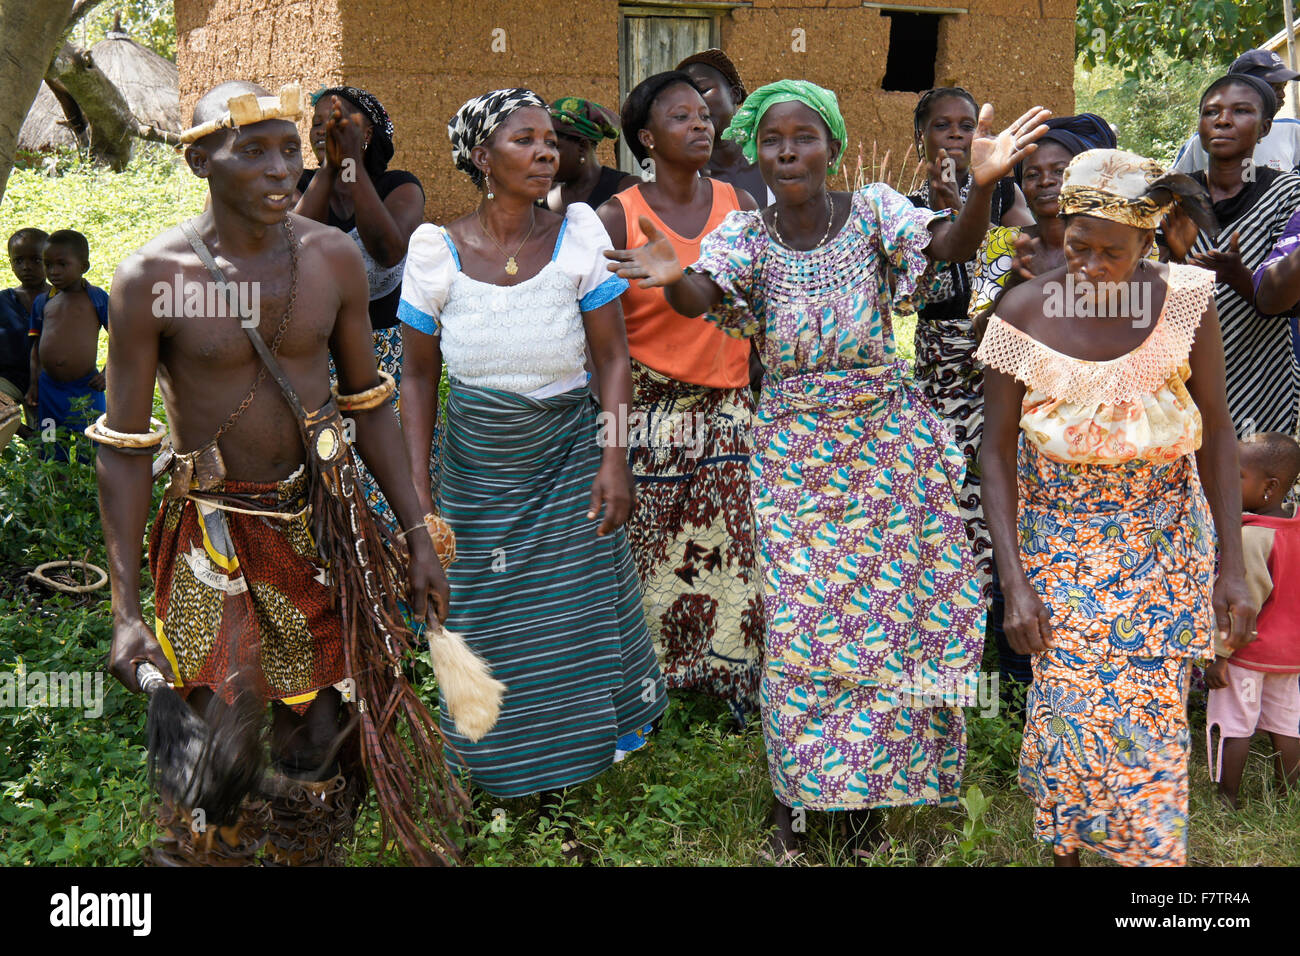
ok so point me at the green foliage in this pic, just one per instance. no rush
(117, 212)
(150, 23)
(1155, 113)
(1126, 33)
(72, 782)
(974, 832)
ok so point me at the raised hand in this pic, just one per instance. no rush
(1180, 233)
(655, 263)
(1227, 266)
(1032, 258)
(344, 136)
(944, 193)
(1223, 262)
(993, 157)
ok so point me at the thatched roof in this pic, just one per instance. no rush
(46, 123)
(148, 82)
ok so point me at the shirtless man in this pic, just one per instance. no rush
(228, 591)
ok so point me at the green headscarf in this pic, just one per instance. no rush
(744, 125)
(589, 120)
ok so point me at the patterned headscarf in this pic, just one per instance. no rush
(589, 120)
(744, 125)
(1130, 189)
(478, 119)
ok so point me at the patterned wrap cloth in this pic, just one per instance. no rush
(692, 536)
(1117, 539)
(692, 531)
(950, 379)
(552, 607)
(875, 625)
(235, 591)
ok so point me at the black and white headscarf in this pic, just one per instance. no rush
(476, 120)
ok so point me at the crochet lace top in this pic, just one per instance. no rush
(1133, 407)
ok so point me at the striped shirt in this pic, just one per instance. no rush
(1263, 377)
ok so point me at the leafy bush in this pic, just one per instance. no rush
(1155, 112)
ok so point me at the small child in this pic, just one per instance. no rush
(1258, 688)
(26, 248)
(65, 328)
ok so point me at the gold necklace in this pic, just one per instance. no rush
(511, 266)
(830, 218)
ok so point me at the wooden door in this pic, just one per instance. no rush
(655, 39)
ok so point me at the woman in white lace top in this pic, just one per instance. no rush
(510, 296)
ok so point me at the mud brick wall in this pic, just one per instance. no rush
(423, 58)
(1012, 53)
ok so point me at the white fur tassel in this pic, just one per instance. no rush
(472, 694)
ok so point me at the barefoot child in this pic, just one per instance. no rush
(25, 249)
(65, 334)
(1257, 688)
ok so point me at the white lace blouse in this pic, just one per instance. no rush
(526, 338)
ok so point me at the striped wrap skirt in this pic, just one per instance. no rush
(554, 608)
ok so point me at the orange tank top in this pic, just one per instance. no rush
(686, 349)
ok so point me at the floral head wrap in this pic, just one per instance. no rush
(1130, 189)
(589, 120)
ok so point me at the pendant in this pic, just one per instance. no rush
(511, 266)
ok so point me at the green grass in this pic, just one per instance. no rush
(73, 789)
(117, 213)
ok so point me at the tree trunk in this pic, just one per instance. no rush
(112, 124)
(31, 33)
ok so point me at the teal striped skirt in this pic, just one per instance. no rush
(553, 608)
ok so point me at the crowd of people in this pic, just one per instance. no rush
(679, 449)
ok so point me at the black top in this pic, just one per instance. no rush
(606, 186)
(749, 179)
(383, 311)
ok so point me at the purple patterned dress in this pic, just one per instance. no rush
(874, 620)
